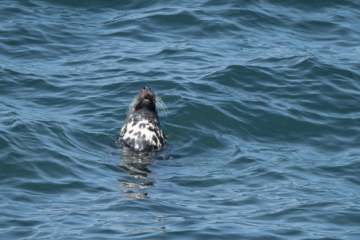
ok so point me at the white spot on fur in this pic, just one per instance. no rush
(142, 133)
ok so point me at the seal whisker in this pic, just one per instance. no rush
(134, 102)
(161, 105)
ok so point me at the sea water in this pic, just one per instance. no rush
(263, 121)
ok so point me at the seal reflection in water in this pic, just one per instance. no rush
(141, 130)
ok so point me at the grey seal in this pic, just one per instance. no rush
(142, 130)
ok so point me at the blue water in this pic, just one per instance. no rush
(263, 120)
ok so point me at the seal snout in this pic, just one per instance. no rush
(147, 90)
(146, 99)
(147, 94)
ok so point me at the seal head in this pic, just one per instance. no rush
(141, 130)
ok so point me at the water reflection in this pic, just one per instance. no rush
(136, 163)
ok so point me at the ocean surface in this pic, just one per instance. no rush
(263, 120)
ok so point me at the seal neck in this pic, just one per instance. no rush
(144, 111)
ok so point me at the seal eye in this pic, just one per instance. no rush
(144, 88)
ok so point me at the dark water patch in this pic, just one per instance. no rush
(316, 6)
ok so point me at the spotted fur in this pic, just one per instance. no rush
(141, 130)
